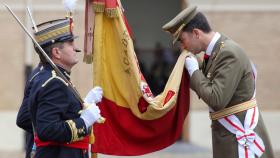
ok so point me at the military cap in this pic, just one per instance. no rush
(59, 30)
(176, 25)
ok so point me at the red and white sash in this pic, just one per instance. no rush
(249, 143)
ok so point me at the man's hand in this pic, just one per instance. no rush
(91, 115)
(94, 95)
(191, 64)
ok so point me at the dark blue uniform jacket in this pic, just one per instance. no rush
(55, 115)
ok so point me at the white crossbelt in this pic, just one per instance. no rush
(249, 143)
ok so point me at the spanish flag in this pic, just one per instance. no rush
(136, 121)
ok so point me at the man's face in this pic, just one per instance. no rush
(190, 42)
(68, 55)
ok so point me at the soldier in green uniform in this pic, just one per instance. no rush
(226, 82)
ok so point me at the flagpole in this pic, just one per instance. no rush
(91, 41)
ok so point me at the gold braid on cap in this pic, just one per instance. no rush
(52, 34)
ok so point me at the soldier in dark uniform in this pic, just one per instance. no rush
(59, 130)
(23, 117)
(226, 83)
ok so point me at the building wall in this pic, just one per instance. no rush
(256, 31)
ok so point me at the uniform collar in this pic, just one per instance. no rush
(64, 72)
(212, 43)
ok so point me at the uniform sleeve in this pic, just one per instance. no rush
(53, 103)
(24, 117)
(227, 74)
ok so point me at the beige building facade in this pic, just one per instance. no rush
(255, 28)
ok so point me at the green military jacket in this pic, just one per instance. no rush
(226, 80)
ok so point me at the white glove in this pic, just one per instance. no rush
(191, 64)
(94, 95)
(90, 115)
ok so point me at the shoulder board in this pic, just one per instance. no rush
(54, 76)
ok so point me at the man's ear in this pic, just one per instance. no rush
(55, 53)
(196, 33)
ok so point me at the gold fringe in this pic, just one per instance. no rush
(88, 59)
(111, 12)
(98, 7)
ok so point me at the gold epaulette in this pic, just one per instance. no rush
(233, 109)
(54, 76)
